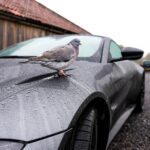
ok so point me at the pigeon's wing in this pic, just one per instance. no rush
(60, 54)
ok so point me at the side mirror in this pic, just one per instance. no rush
(131, 53)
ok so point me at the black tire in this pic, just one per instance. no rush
(140, 99)
(85, 135)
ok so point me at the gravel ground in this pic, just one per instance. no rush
(135, 134)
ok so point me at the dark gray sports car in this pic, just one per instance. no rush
(39, 111)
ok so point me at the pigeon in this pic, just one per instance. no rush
(59, 58)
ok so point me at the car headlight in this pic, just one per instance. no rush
(8, 145)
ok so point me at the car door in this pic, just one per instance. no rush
(119, 81)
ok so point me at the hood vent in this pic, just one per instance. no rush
(40, 77)
(36, 78)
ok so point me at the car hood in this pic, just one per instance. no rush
(32, 105)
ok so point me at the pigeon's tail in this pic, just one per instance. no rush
(36, 58)
(32, 59)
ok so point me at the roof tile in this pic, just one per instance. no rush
(33, 10)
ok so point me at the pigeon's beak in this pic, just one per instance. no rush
(80, 44)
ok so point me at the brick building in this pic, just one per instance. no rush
(24, 19)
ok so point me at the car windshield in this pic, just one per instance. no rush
(35, 47)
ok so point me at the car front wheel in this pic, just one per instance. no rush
(85, 135)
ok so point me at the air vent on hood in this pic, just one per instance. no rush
(40, 77)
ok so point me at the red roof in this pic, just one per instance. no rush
(33, 10)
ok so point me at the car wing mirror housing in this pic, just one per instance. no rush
(116, 59)
(130, 53)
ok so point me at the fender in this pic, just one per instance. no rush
(96, 99)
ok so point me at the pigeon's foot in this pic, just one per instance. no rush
(61, 73)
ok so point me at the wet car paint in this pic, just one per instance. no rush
(49, 105)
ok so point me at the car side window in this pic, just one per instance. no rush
(115, 51)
